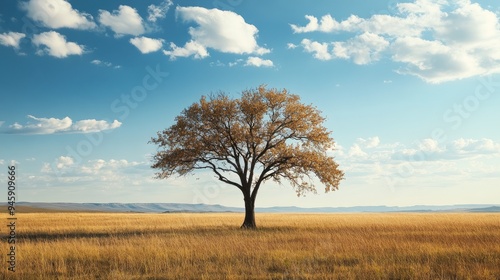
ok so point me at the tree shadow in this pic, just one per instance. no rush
(216, 231)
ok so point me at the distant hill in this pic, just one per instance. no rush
(487, 209)
(205, 208)
(125, 207)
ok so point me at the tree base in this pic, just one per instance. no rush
(248, 226)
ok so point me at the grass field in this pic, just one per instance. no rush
(286, 246)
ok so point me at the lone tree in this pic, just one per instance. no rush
(265, 134)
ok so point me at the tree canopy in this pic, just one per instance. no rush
(266, 134)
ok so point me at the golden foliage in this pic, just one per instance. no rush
(265, 134)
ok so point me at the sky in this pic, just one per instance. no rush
(410, 90)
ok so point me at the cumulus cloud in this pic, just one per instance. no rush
(57, 14)
(160, 11)
(431, 150)
(258, 62)
(356, 151)
(102, 167)
(56, 45)
(213, 32)
(362, 149)
(64, 162)
(426, 162)
(320, 50)
(369, 143)
(191, 48)
(327, 24)
(124, 21)
(362, 49)
(11, 39)
(465, 147)
(437, 41)
(87, 126)
(100, 171)
(147, 45)
(371, 150)
(65, 125)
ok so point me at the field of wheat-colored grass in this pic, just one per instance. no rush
(286, 246)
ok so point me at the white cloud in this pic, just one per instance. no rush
(104, 63)
(56, 45)
(291, 46)
(474, 147)
(434, 61)
(65, 125)
(1, 123)
(147, 45)
(11, 39)
(327, 24)
(213, 32)
(320, 50)
(189, 49)
(102, 172)
(217, 63)
(236, 62)
(99, 62)
(160, 11)
(431, 150)
(428, 162)
(2, 161)
(371, 150)
(311, 26)
(429, 145)
(258, 62)
(57, 14)
(356, 151)
(369, 143)
(362, 49)
(124, 21)
(437, 41)
(43, 125)
(87, 126)
(64, 162)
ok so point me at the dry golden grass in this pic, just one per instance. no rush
(286, 246)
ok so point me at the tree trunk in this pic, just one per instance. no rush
(249, 222)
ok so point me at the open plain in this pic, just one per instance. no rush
(285, 246)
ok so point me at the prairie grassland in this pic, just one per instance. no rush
(286, 246)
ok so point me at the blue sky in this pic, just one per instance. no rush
(410, 89)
